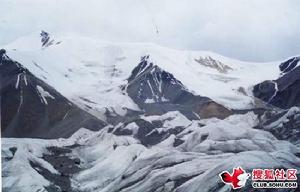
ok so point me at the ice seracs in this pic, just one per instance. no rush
(121, 163)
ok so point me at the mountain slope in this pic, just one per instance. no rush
(283, 92)
(94, 69)
(31, 108)
(158, 91)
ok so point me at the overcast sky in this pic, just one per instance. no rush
(254, 30)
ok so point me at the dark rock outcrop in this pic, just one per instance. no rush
(157, 91)
(33, 109)
(47, 40)
(283, 92)
(289, 65)
(214, 64)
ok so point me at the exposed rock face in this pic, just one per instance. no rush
(157, 92)
(289, 65)
(31, 108)
(283, 92)
(213, 109)
(212, 63)
(265, 90)
(46, 39)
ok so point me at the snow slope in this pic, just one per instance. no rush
(89, 71)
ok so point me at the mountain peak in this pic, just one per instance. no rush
(157, 91)
(289, 64)
(2, 52)
(3, 55)
(152, 80)
(143, 67)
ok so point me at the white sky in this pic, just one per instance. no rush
(255, 30)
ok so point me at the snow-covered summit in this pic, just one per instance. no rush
(157, 91)
(83, 67)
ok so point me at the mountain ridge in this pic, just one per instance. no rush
(31, 108)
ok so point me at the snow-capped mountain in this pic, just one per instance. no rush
(157, 91)
(90, 68)
(31, 108)
(162, 119)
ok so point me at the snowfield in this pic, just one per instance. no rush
(89, 71)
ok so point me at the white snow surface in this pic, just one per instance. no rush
(43, 94)
(83, 67)
(171, 119)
